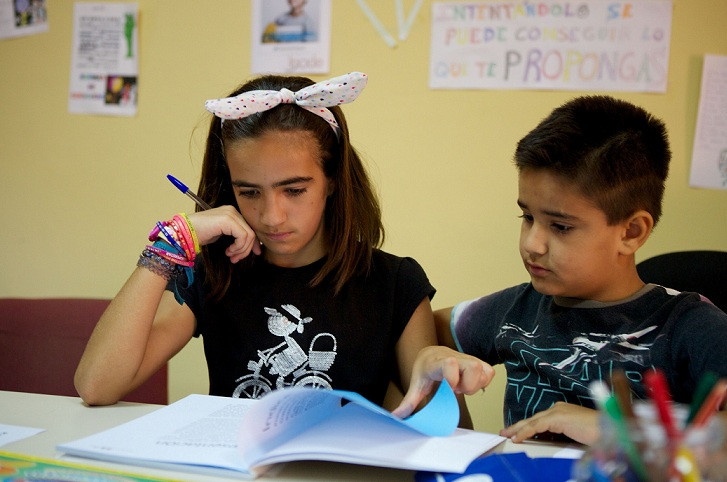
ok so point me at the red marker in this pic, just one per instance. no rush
(656, 382)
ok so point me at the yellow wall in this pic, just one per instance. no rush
(80, 193)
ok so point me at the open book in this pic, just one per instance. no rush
(242, 437)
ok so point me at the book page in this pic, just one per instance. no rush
(197, 430)
(284, 415)
(241, 437)
(289, 413)
(352, 435)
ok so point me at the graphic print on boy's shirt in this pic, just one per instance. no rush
(540, 362)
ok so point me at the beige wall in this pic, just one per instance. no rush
(80, 193)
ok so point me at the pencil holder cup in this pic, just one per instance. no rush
(639, 450)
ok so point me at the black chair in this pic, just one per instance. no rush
(704, 272)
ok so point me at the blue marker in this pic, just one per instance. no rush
(185, 190)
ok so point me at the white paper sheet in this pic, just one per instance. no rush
(551, 44)
(22, 17)
(13, 433)
(709, 153)
(290, 44)
(104, 59)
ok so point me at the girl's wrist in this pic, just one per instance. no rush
(174, 247)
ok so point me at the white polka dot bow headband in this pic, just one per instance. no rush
(314, 98)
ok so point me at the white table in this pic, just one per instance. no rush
(68, 418)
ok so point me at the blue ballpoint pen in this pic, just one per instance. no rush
(185, 190)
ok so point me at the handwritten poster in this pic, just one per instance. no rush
(104, 59)
(291, 37)
(549, 44)
(22, 17)
(709, 153)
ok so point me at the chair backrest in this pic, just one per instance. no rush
(42, 340)
(702, 271)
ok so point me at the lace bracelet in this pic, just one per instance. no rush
(159, 265)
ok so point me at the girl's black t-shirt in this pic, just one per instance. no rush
(273, 330)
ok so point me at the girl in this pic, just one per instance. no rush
(289, 287)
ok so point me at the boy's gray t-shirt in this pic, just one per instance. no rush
(552, 348)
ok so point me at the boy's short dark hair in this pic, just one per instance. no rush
(616, 153)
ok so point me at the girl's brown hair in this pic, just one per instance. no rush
(352, 218)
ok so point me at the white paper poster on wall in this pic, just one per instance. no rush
(22, 17)
(586, 45)
(291, 36)
(104, 59)
(709, 153)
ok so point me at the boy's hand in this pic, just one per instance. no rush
(464, 373)
(573, 421)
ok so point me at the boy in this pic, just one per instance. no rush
(591, 182)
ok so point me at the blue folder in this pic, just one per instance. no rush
(511, 467)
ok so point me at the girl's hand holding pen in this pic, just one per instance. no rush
(212, 224)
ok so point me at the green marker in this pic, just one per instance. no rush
(609, 405)
(700, 394)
